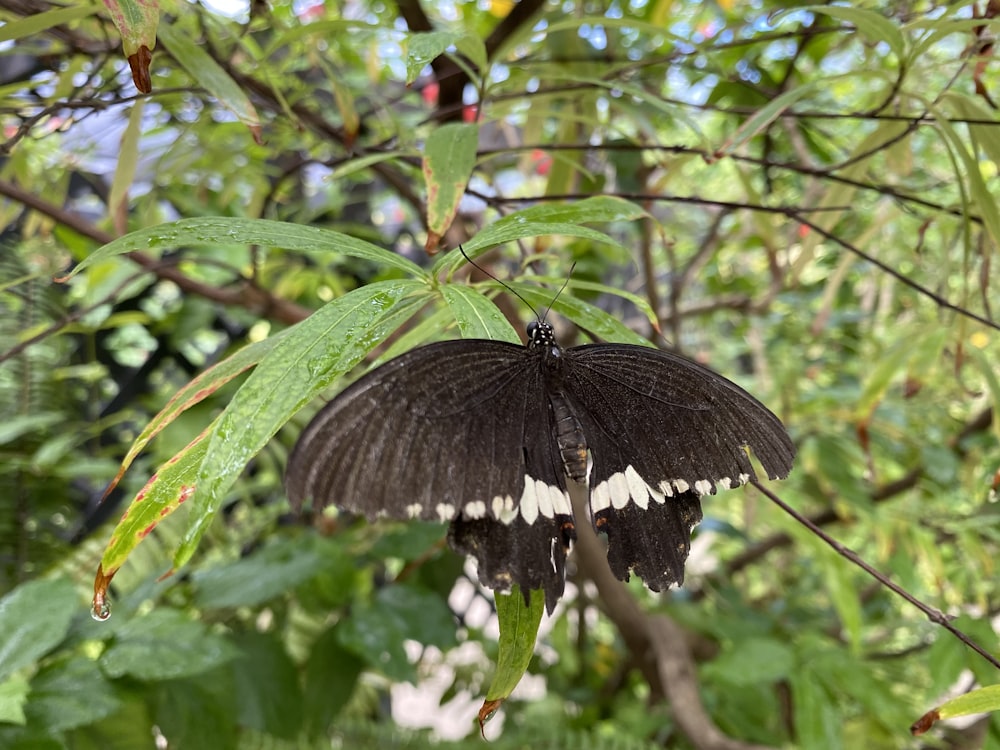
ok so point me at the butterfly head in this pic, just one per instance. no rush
(540, 334)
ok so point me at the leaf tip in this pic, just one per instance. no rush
(100, 608)
(139, 63)
(925, 722)
(487, 712)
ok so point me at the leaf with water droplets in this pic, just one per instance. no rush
(315, 352)
(171, 485)
(195, 391)
(228, 230)
(34, 619)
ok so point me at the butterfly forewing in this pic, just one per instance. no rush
(440, 426)
(459, 432)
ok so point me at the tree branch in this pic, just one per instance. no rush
(247, 295)
(658, 643)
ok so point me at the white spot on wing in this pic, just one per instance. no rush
(413, 510)
(529, 501)
(681, 485)
(503, 509)
(475, 509)
(726, 483)
(666, 489)
(703, 487)
(637, 487)
(561, 504)
(445, 511)
(618, 485)
(600, 498)
(543, 492)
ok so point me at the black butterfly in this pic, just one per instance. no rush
(483, 434)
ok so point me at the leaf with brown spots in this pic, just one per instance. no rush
(197, 390)
(136, 21)
(164, 493)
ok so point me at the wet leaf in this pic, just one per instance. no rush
(314, 353)
(204, 385)
(171, 485)
(227, 230)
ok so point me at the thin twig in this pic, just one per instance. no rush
(933, 614)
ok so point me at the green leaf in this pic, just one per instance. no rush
(512, 228)
(873, 25)
(844, 595)
(198, 713)
(128, 157)
(70, 694)
(980, 193)
(477, 316)
(976, 701)
(315, 352)
(36, 23)
(209, 75)
(268, 695)
(227, 230)
(767, 114)
(332, 673)
(518, 632)
(751, 662)
(597, 209)
(164, 492)
(268, 573)
(423, 48)
(202, 386)
(13, 696)
(601, 324)
(449, 157)
(136, 21)
(165, 645)
(34, 618)
(376, 630)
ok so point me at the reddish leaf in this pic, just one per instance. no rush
(197, 390)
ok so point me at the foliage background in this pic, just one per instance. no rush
(808, 204)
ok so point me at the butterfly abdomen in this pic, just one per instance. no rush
(570, 439)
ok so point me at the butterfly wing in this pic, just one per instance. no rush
(456, 431)
(663, 431)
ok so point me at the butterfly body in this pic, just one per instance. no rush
(484, 435)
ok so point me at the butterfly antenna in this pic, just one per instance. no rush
(504, 284)
(561, 290)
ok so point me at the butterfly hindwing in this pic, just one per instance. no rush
(662, 431)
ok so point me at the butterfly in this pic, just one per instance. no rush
(486, 435)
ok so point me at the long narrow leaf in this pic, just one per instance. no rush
(226, 230)
(195, 391)
(478, 317)
(314, 353)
